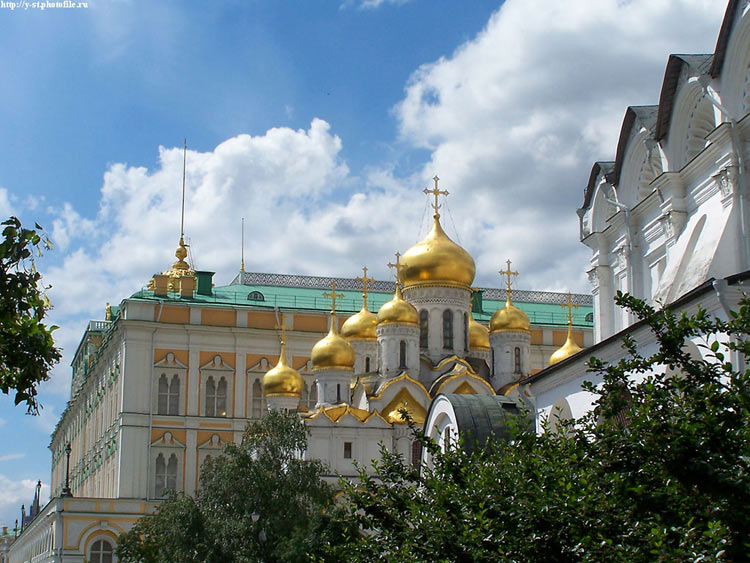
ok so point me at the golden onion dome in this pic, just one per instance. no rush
(479, 335)
(398, 311)
(509, 319)
(282, 380)
(570, 348)
(436, 260)
(333, 351)
(362, 326)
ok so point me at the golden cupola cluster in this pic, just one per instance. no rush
(282, 380)
(479, 335)
(398, 311)
(436, 260)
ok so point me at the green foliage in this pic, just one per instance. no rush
(262, 476)
(658, 471)
(27, 351)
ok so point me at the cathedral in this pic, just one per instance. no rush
(176, 370)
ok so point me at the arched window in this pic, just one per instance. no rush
(210, 397)
(257, 404)
(216, 397)
(367, 364)
(416, 453)
(516, 360)
(423, 329)
(163, 399)
(174, 396)
(448, 330)
(166, 474)
(305, 397)
(402, 354)
(313, 395)
(101, 552)
(466, 332)
(255, 296)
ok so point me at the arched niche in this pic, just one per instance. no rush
(735, 70)
(693, 118)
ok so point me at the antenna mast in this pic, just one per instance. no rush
(182, 216)
(242, 261)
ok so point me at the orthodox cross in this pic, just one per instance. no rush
(333, 296)
(569, 306)
(397, 266)
(508, 273)
(365, 280)
(436, 192)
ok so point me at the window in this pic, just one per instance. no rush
(216, 397)
(367, 364)
(448, 330)
(517, 360)
(423, 329)
(590, 317)
(101, 552)
(416, 453)
(402, 354)
(166, 474)
(338, 392)
(257, 404)
(168, 395)
(255, 296)
(347, 450)
(492, 361)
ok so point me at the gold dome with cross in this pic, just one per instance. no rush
(436, 260)
(510, 318)
(333, 351)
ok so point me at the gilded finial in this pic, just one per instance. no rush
(365, 280)
(436, 192)
(333, 296)
(508, 273)
(569, 306)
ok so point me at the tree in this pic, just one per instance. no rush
(258, 501)
(27, 350)
(658, 471)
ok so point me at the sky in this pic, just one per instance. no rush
(320, 122)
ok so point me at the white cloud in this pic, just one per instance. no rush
(10, 457)
(371, 4)
(6, 209)
(515, 118)
(15, 493)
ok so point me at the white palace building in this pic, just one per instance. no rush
(175, 371)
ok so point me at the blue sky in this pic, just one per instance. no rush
(319, 122)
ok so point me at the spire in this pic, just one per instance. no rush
(242, 252)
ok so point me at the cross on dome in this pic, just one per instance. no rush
(508, 273)
(569, 306)
(397, 266)
(333, 296)
(436, 192)
(365, 280)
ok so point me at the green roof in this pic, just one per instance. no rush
(310, 299)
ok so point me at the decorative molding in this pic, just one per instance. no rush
(316, 282)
